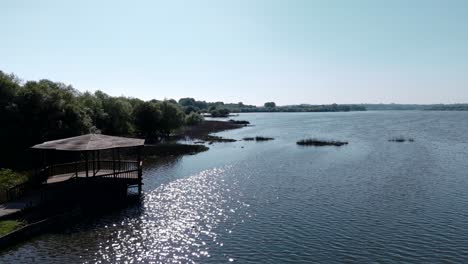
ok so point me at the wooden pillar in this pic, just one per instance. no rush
(98, 160)
(113, 161)
(118, 156)
(86, 163)
(140, 172)
(76, 168)
(92, 160)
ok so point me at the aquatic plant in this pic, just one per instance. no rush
(257, 138)
(401, 139)
(319, 143)
(239, 122)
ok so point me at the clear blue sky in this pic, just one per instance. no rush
(244, 50)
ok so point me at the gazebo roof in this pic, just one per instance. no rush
(90, 142)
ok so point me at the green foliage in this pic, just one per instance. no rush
(193, 118)
(147, 119)
(8, 226)
(35, 112)
(9, 178)
(172, 117)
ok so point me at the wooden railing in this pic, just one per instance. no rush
(124, 169)
(117, 169)
(14, 192)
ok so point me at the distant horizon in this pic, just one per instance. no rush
(228, 102)
(318, 52)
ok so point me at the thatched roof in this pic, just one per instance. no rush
(90, 142)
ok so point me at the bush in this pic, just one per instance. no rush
(9, 178)
(222, 112)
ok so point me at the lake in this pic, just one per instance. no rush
(276, 202)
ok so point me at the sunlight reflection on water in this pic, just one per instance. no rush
(178, 219)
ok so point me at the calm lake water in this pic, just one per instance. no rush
(276, 202)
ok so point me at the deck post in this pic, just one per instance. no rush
(94, 158)
(113, 161)
(76, 169)
(140, 172)
(98, 160)
(118, 156)
(86, 163)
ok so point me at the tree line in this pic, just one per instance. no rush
(32, 112)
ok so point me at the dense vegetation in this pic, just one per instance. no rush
(9, 178)
(37, 111)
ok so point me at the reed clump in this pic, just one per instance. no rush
(319, 143)
(258, 138)
(401, 139)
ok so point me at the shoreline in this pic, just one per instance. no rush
(200, 134)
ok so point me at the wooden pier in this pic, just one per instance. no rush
(90, 171)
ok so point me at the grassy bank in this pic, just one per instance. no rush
(10, 178)
(8, 226)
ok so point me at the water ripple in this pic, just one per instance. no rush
(178, 221)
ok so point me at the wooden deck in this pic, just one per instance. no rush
(130, 175)
(119, 170)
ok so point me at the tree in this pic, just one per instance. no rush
(147, 116)
(117, 119)
(172, 117)
(193, 119)
(187, 102)
(269, 105)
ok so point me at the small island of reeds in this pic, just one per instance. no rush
(257, 138)
(239, 122)
(401, 139)
(319, 143)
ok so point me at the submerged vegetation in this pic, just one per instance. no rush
(401, 139)
(239, 122)
(257, 138)
(318, 142)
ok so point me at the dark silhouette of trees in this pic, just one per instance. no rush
(269, 105)
(38, 111)
(172, 117)
(147, 119)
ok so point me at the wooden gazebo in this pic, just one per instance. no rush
(91, 166)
